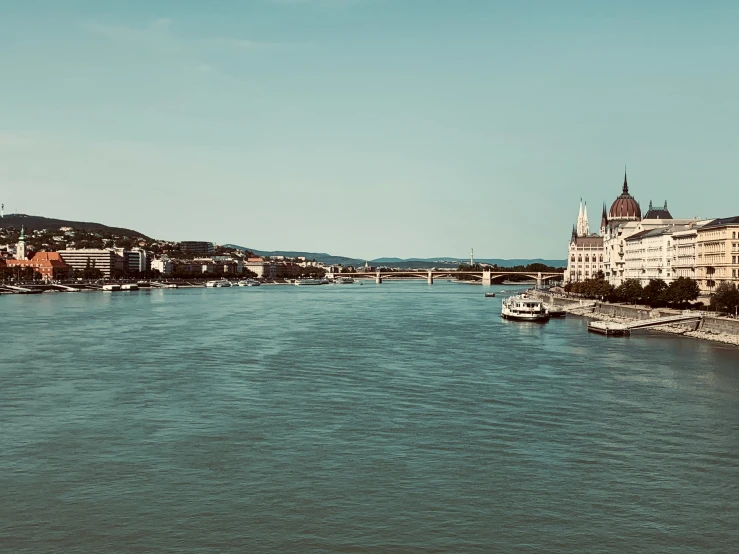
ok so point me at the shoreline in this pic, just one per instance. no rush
(589, 309)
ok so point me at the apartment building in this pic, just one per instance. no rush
(717, 253)
(106, 260)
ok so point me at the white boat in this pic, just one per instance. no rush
(249, 283)
(304, 282)
(218, 284)
(129, 286)
(111, 288)
(344, 280)
(522, 307)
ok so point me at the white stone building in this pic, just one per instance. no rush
(163, 265)
(717, 253)
(585, 253)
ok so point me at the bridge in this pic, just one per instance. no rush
(485, 276)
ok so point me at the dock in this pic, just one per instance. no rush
(610, 328)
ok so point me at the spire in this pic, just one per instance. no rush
(665, 205)
(650, 204)
(603, 219)
(626, 184)
(23, 233)
(585, 222)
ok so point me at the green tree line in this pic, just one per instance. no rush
(656, 293)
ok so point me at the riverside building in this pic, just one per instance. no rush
(717, 253)
(585, 254)
(625, 220)
(106, 260)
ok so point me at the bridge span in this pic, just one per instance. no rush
(486, 277)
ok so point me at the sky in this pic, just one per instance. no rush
(367, 128)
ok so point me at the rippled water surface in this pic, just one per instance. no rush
(393, 418)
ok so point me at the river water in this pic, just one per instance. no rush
(394, 418)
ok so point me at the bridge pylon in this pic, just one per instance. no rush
(431, 278)
(487, 278)
(378, 278)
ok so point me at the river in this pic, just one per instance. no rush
(399, 417)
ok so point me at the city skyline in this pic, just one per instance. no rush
(366, 128)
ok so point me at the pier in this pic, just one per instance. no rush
(610, 328)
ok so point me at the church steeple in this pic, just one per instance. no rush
(20, 249)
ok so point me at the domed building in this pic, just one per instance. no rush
(625, 207)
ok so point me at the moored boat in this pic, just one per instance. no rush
(304, 282)
(249, 283)
(522, 307)
(344, 280)
(489, 295)
(218, 283)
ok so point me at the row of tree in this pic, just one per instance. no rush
(19, 273)
(656, 293)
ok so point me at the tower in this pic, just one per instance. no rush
(603, 221)
(472, 257)
(583, 227)
(20, 251)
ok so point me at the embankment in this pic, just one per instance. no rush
(719, 329)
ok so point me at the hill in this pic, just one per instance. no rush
(420, 263)
(318, 256)
(35, 222)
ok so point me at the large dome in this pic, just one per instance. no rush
(625, 206)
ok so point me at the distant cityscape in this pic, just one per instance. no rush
(95, 251)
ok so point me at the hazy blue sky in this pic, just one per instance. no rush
(367, 127)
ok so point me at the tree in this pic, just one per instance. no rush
(630, 291)
(654, 293)
(681, 291)
(725, 298)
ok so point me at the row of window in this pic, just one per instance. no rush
(587, 258)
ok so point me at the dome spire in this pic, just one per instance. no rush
(626, 184)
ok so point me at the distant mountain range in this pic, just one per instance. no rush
(400, 262)
(36, 222)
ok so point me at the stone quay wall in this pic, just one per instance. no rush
(721, 329)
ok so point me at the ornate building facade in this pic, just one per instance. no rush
(585, 254)
(629, 246)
